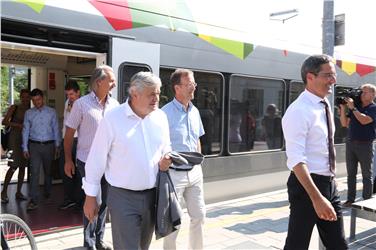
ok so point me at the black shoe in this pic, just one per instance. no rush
(31, 206)
(47, 195)
(103, 246)
(67, 204)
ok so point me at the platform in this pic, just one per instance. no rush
(253, 222)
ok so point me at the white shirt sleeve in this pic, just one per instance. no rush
(295, 129)
(97, 160)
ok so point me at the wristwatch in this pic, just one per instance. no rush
(354, 109)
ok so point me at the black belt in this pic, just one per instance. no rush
(360, 142)
(319, 177)
(182, 169)
(42, 142)
(136, 191)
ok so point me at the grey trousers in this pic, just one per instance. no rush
(94, 231)
(40, 155)
(132, 217)
(359, 153)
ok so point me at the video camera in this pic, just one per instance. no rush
(353, 93)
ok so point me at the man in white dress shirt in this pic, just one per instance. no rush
(129, 147)
(308, 127)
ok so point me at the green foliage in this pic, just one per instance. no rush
(20, 82)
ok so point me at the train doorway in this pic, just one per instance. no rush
(48, 69)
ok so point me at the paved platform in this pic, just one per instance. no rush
(253, 222)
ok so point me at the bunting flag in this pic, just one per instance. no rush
(350, 68)
(36, 5)
(172, 14)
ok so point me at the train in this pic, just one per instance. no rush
(243, 89)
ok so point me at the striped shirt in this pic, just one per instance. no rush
(40, 125)
(85, 116)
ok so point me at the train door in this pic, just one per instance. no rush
(128, 58)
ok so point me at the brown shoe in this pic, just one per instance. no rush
(347, 204)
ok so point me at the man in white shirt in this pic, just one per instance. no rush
(308, 127)
(85, 116)
(129, 147)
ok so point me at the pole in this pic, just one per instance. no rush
(328, 28)
(12, 73)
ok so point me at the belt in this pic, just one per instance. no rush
(42, 142)
(136, 191)
(319, 177)
(182, 169)
(360, 142)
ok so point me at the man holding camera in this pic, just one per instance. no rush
(361, 121)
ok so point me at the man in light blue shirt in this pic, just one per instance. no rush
(185, 131)
(40, 143)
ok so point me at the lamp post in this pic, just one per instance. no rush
(12, 74)
(328, 28)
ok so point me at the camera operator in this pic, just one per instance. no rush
(360, 120)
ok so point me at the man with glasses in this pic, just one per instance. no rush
(361, 121)
(185, 131)
(308, 128)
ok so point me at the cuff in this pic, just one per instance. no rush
(90, 189)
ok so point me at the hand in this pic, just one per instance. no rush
(69, 168)
(350, 103)
(90, 208)
(324, 209)
(26, 154)
(165, 163)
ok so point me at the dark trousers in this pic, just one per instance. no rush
(40, 155)
(132, 217)
(72, 186)
(94, 232)
(303, 216)
(359, 153)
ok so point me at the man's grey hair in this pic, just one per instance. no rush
(99, 74)
(143, 80)
(369, 86)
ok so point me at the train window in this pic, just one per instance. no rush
(341, 132)
(126, 71)
(209, 101)
(295, 89)
(255, 114)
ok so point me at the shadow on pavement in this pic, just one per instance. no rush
(247, 209)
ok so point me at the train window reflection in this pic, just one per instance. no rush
(126, 71)
(208, 99)
(255, 114)
(296, 88)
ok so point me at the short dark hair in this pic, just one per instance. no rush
(72, 85)
(24, 91)
(36, 92)
(313, 65)
(176, 76)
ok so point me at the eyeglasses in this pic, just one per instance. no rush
(194, 84)
(326, 75)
